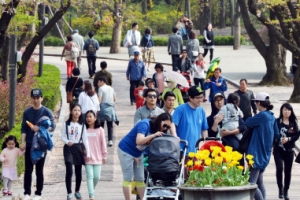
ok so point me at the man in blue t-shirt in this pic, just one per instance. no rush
(190, 119)
(32, 115)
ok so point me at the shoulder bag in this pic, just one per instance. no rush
(70, 94)
(74, 51)
(245, 141)
(81, 144)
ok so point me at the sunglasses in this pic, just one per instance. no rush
(166, 126)
(151, 96)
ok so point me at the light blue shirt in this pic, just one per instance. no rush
(136, 70)
(190, 123)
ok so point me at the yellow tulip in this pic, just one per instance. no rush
(218, 159)
(207, 162)
(189, 163)
(251, 162)
(234, 162)
(228, 149)
(236, 155)
(199, 155)
(191, 154)
(240, 167)
(249, 157)
(197, 163)
(228, 157)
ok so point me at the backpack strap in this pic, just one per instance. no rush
(67, 130)
(81, 133)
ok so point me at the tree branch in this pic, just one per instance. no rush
(108, 7)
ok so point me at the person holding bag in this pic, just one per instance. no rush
(68, 53)
(283, 148)
(74, 86)
(148, 48)
(192, 47)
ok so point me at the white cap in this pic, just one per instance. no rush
(261, 96)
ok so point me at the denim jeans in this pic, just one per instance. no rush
(91, 64)
(256, 177)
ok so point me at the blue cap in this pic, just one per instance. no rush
(75, 31)
(136, 53)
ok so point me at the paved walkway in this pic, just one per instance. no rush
(109, 188)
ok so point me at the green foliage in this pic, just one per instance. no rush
(84, 24)
(53, 41)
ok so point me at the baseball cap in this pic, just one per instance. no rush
(136, 53)
(75, 31)
(148, 80)
(261, 96)
(195, 91)
(36, 92)
(219, 94)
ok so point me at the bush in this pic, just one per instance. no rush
(49, 83)
(53, 41)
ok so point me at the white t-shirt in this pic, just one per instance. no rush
(199, 72)
(107, 93)
(88, 103)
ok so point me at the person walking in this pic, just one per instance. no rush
(132, 39)
(183, 64)
(283, 150)
(135, 73)
(147, 48)
(107, 99)
(88, 99)
(91, 46)
(68, 57)
(208, 41)
(74, 134)
(32, 115)
(159, 81)
(192, 47)
(98, 151)
(265, 131)
(102, 72)
(245, 99)
(78, 39)
(175, 46)
(172, 86)
(75, 82)
(199, 77)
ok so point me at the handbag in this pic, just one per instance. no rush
(245, 141)
(195, 53)
(74, 51)
(297, 160)
(81, 144)
(70, 94)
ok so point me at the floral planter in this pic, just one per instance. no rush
(245, 192)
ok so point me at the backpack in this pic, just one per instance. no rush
(74, 51)
(91, 48)
(245, 141)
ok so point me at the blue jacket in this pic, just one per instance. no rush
(265, 131)
(214, 88)
(108, 113)
(86, 45)
(136, 71)
(145, 39)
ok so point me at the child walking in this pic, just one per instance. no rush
(98, 151)
(199, 77)
(138, 94)
(8, 157)
(73, 135)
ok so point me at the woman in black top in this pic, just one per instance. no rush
(283, 149)
(71, 82)
(208, 41)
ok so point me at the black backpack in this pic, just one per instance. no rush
(91, 48)
(245, 141)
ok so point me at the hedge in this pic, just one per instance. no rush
(49, 83)
(158, 41)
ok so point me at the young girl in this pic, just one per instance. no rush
(138, 94)
(199, 77)
(73, 135)
(8, 157)
(98, 151)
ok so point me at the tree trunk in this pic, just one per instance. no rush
(4, 59)
(60, 24)
(41, 34)
(144, 6)
(295, 97)
(232, 16)
(237, 28)
(116, 36)
(222, 15)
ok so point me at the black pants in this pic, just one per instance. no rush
(174, 59)
(200, 81)
(39, 167)
(283, 160)
(69, 173)
(211, 53)
(92, 64)
(133, 85)
(109, 129)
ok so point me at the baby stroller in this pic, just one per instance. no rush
(184, 90)
(208, 142)
(165, 173)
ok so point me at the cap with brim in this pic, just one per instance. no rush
(36, 92)
(219, 94)
(136, 53)
(149, 81)
(261, 96)
(195, 91)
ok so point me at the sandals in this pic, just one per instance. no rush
(4, 191)
(78, 195)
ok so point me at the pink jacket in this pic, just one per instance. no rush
(9, 157)
(97, 146)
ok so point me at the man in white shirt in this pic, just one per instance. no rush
(78, 39)
(107, 98)
(133, 39)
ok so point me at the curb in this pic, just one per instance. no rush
(57, 131)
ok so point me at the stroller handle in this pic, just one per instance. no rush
(185, 143)
(208, 138)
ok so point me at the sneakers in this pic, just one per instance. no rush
(26, 197)
(110, 143)
(37, 197)
(132, 103)
(92, 77)
(78, 196)
(149, 70)
(4, 191)
(70, 196)
(92, 198)
(9, 193)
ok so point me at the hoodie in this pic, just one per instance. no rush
(176, 91)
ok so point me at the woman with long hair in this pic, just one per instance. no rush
(208, 41)
(283, 149)
(132, 146)
(88, 99)
(265, 131)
